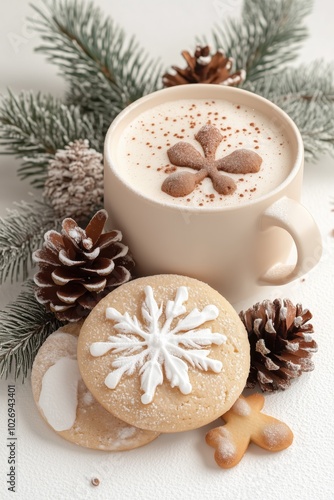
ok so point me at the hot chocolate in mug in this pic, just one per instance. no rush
(205, 181)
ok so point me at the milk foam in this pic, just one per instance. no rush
(142, 160)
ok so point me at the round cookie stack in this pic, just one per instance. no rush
(159, 354)
(67, 405)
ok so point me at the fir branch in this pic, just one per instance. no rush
(106, 72)
(22, 232)
(267, 36)
(33, 127)
(24, 326)
(306, 93)
(315, 121)
(305, 82)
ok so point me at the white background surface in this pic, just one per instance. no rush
(181, 465)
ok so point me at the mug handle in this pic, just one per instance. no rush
(290, 215)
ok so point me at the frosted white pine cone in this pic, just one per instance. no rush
(74, 184)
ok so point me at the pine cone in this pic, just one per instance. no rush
(281, 343)
(78, 267)
(74, 184)
(204, 68)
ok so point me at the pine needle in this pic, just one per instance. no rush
(315, 121)
(299, 83)
(24, 326)
(267, 36)
(33, 127)
(306, 94)
(22, 232)
(105, 70)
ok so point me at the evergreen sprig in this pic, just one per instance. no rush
(315, 121)
(266, 37)
(33, 127)
(306, 93)
(24, 326)
(105, 70)
(22, 232)
(304, 83)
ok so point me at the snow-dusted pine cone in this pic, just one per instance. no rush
(281, 343)
(74, 183)
(79, 267)
(203, 67)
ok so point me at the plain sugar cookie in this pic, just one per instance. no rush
(165, 353)
(67, 405)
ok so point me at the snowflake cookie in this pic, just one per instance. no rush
(164, 353)
(160, 345)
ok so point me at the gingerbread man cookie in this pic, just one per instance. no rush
(246, 423)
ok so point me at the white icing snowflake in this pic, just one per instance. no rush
(150, 346)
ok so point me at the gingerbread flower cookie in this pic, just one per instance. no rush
(183, 154)
(67, 405)
(165, 353)
(246, 423)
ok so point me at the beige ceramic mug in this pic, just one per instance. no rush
(231, 241)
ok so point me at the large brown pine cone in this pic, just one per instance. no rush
(281, 343)
(204, 68)
(79, 267)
